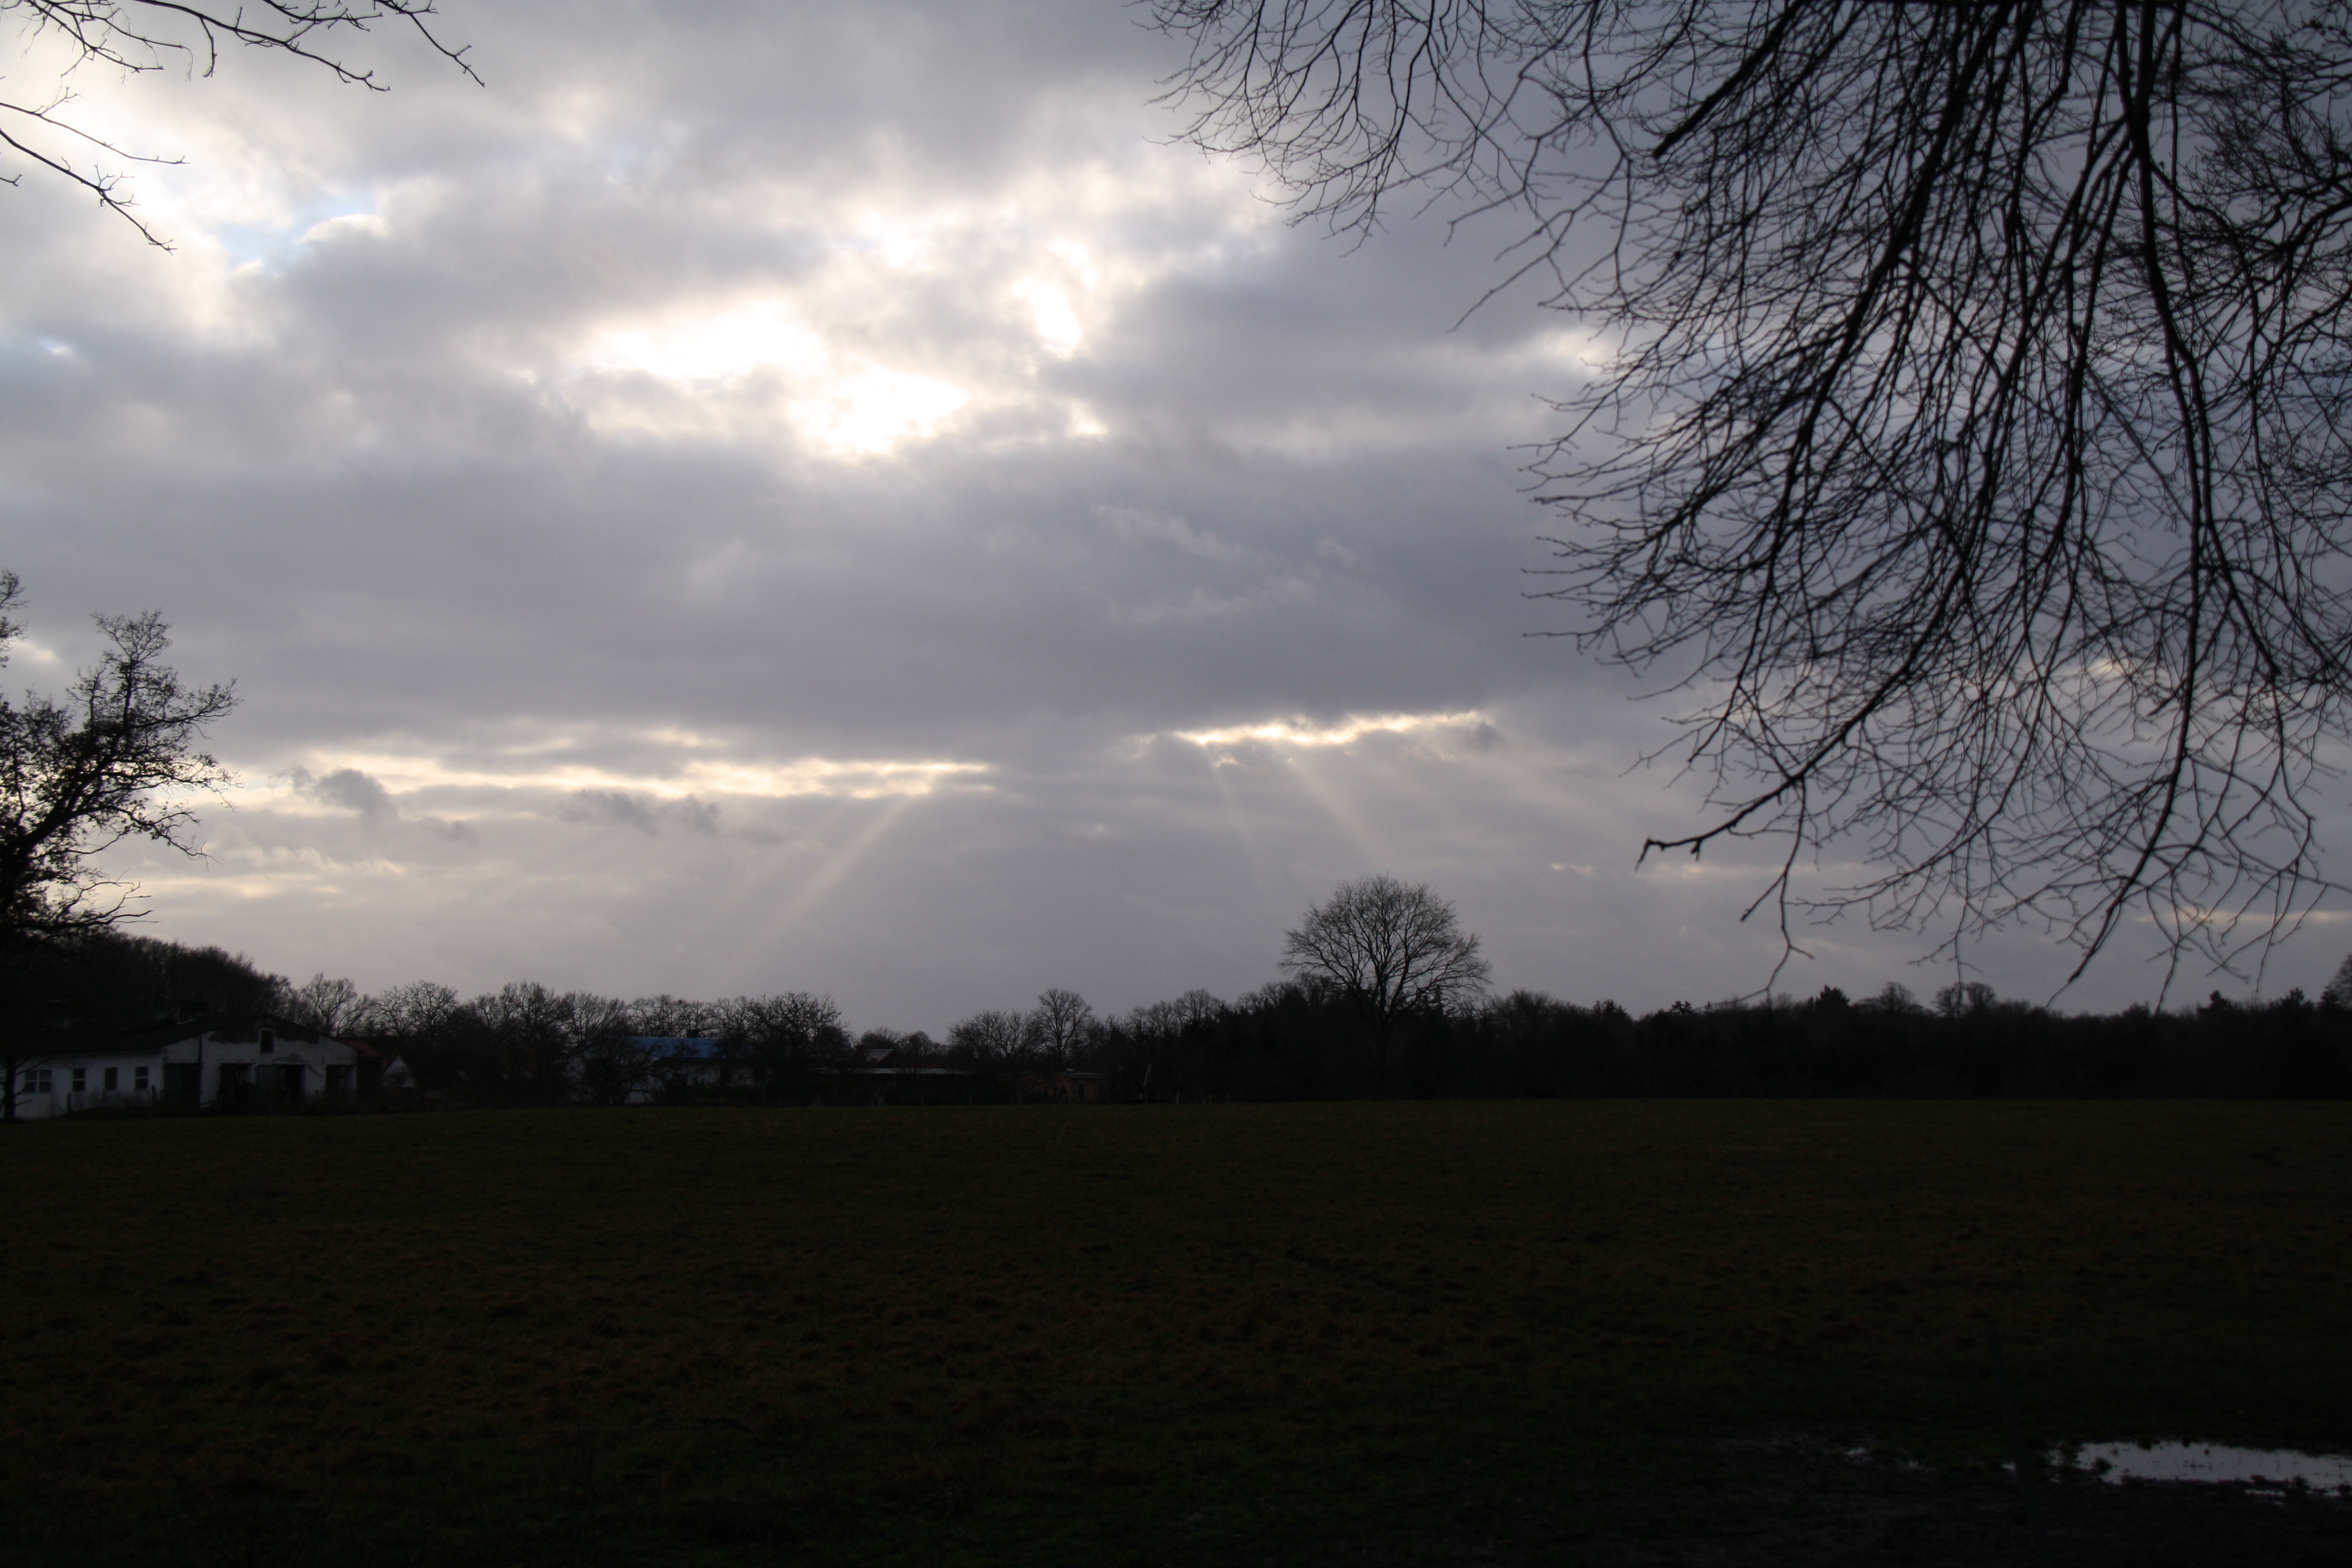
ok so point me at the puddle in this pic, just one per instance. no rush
(2209, 1462)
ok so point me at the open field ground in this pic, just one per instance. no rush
(1340, 1332)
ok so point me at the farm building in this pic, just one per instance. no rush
(675, 1063)
(1063, 1087)
(222, 1061)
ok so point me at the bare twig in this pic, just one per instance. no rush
(1975, 455)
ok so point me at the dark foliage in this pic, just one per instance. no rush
(108, 982)
(101, 982)
(526, 1045)
(1288, 1043)
(1293, 1041)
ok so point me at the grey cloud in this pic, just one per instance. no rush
(1142, 875)
(355, 791)
(365, 797)
(645, 814)
(366, 478)
(1140, 525)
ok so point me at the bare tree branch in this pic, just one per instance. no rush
(1974, 453)
(142, 36)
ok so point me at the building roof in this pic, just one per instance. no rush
(232, 1028)
(677, 1048)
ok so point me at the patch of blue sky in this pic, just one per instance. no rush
(35, 347)
(274, 247)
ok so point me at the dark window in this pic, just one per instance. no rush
(80, 1080)
(113, 1076)
(268, 1041)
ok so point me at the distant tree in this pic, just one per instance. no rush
(1198, 1006)
(418, 1011)
(136, 36)
(787, 1039)
(2338, 991)
(674, 1017)
(607, 1066)
(1153, 1020)
(326, 1005)
(1894, 997)
(1964, 999)
(531, 1036)
(1388, 949)
(1148, 1046)
(1166, 1020)
(1061, 1024)
(991, 1037)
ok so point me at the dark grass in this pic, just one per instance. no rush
(1104, 1334)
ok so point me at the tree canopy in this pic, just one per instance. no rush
(117, 758)
(1389, 948)
(1970, 451)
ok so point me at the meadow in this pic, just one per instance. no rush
(1103, 1335)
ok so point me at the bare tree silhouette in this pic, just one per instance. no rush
(116, 760)
(1971, 446)
(1389, 948)
(1060, 1023)
(326, 1005)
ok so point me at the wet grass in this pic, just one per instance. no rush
(1102, 1334)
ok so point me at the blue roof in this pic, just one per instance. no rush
(700, 1048)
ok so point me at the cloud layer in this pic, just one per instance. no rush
(766, 497)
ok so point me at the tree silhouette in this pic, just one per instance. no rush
(1391, 950)
(1971, 439)
(326, 1005)
(2337, 992)
(1061, 1024)
(116, 760)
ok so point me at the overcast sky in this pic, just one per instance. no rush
(766, 497)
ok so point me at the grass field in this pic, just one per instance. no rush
(1103, 1335)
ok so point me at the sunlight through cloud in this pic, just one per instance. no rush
(845, 405)
(1303, 733)
(841, 779)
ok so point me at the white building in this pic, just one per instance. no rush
(215, 1059)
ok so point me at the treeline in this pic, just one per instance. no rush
(1287, 1042)
(106, 982)
(1297, 1040)
(525, 1044)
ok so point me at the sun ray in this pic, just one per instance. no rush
(829, 875)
